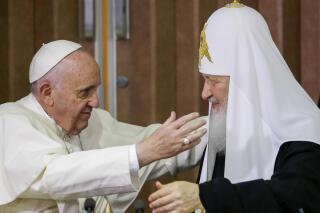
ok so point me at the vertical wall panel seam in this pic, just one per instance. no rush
(153, 57)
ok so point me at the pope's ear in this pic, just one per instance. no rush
(45, 93)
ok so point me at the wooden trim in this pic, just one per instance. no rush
(105, 53)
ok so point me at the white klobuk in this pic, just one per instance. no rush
(266, 105)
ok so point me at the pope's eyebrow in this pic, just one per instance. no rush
(86, 88)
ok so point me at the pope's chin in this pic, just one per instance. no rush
(82, 122)
(81, 125)
(85, 115)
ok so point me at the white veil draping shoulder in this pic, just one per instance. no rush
(266, 105)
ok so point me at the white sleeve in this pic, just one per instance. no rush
(85, 174)
(134, 165)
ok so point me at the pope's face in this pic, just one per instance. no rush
(217, 88)
(75, 93)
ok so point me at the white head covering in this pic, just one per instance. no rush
(266, 105)
(48, 56)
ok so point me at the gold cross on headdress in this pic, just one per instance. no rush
(235, 4)
(204, 49)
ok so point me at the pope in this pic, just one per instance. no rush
(57, 146)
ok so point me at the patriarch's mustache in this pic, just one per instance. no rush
(213, 100)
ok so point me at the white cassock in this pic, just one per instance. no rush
(43, 170)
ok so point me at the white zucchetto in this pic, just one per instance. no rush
(48, 56)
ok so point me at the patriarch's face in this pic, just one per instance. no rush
(216, 90)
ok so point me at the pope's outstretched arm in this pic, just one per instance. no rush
(107, 171)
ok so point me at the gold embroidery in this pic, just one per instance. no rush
(204, 50)
(235, 4)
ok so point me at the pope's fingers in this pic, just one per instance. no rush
(192, 127)
(195, 138)
(171, 118)
(197, 134)
(184, 119)
(191, 145)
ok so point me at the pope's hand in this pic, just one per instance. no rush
(176, 197)
(167, 141)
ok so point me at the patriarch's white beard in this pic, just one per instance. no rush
(217, 129)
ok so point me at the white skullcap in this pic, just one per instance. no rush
(48, 56)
